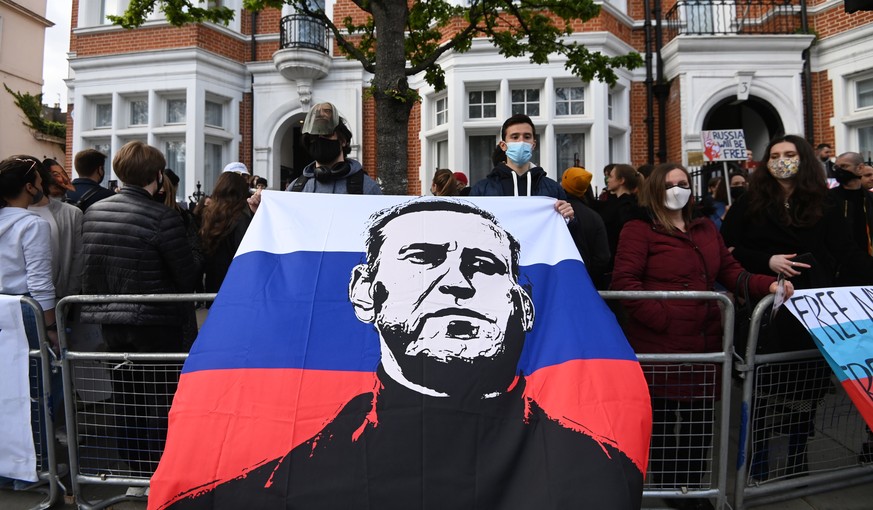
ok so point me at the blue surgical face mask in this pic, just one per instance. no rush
(519, 152)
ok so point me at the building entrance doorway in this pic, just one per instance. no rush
(756, 117)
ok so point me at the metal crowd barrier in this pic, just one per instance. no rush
(40, 367)
(797, 437)
(116, 407)
(97, 386)
(709, 428)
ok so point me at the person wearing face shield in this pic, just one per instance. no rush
(788, 224)
(664, 249)
(517, 176)
(328, 140)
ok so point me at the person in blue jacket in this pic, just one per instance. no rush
(517, 176)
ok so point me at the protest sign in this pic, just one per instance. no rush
(723, 145)
(841, 322)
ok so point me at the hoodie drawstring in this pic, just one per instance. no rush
(515, 184)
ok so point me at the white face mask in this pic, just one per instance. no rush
(677, 198)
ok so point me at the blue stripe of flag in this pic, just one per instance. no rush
(293, 311)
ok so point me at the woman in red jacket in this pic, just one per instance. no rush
(664, 249)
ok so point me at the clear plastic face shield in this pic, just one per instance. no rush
(321, 120)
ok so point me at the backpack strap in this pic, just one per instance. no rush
(87, 196)
(355, 183)
(299, 183)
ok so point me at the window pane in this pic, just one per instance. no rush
(481, 148)
(865, 93)
(214, 114)
(475, 97)
(176, 159)
(533, 110)
(569, 101)
(518, 96)
(104, 147)
(533, 95)
(865, 142)
(441, 111)
(212, 167)
(442, 154)
(104, 115)
(474, 112)
(176, 111)
(517, 109)
(139, 112)
(490, 96)
(490, 111)
(570, 149)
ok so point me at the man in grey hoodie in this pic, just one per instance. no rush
(328, 140)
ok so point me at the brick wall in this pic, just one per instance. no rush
(639, 132)
(161, 37)
(674, 123)
(245, 128)
(822, 108)
(414, 151)
(835, 20)
(68, 157)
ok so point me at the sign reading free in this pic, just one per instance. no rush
(724, 145)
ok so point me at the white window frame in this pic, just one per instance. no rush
(857, 95)
(98, 105)
(481, 105)
(129, 102)
(441, 111)
(165, 103)
(570, 101)
(525, 103)
(222, 109)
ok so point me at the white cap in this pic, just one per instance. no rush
(237, 167)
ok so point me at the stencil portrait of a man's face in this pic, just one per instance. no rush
(442, 290)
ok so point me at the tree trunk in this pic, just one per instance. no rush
(392, 96)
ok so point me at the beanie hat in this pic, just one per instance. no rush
(461, 177)
(576, 180)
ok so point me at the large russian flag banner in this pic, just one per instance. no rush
(841, 322)
(397, 352)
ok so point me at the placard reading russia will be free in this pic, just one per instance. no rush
(841, 321)
(724, 145)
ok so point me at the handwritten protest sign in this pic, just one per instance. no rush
(841, 321)
(724, 145)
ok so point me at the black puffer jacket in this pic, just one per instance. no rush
(134, 245)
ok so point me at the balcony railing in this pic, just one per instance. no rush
(722, 17)
(302, 31)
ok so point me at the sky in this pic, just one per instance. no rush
(57, 44)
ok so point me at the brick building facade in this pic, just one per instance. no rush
(207, 94)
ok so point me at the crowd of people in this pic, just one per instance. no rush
(776, 219)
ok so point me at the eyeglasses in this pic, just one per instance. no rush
(33, 163)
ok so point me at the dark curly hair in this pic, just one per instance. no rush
(227, 203)
(767, 196)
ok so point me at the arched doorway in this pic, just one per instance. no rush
(293, 157)
(756, 117)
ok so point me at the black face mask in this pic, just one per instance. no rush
(737, 191)
(844, 176)
(325, 151)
